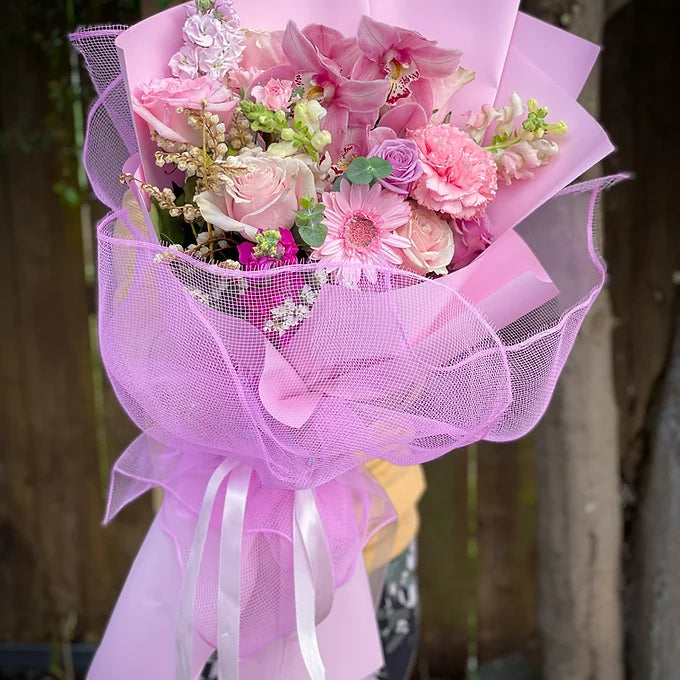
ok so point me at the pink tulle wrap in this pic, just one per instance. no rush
(405, 369)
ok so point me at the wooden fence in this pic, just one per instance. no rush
(62, 427)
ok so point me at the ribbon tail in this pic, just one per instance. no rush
(185, 621)
(229, 594)
(313, 579)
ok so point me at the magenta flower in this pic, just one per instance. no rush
(361, 224)
(272, 247)
(471, 238)
(405, 58)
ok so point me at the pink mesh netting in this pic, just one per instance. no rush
(404, 369)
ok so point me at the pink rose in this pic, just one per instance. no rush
(471, 238)
(432, 242)
(156, 103)
(264, 197)
(459, 177)
(275, 95)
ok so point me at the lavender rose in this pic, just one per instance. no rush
(402, 154)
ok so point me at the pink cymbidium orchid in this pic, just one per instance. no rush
(405, 58)
(321, 60)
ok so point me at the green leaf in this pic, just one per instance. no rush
(307, 203)
(170, 229)
(380, 167)
(313, 235)
(336, 184)
(359, 171)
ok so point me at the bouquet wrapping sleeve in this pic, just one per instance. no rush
(258, 439)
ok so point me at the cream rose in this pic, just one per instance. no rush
(156, 102)
(266, 196)
(432, 242)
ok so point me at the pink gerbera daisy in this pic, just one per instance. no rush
(361, 223)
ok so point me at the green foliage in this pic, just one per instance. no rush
(364, 170)
(309, 222)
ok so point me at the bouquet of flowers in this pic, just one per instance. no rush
(335, 236)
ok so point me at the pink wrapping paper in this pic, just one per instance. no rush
(144, 621)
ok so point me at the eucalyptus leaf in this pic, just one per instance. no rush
(314, 235)
(360, 171)
(380, 168)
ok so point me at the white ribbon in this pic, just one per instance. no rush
(313, 575)
(313, 579)
(185, 627)
(229, 597)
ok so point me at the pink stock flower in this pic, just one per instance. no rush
(202, 30)
(471, 239)
(286, 252)
(405, 58)
(156, 102)
(274, 95)
(361, 224)
(431, 239)
(459, 177)
(265, 196)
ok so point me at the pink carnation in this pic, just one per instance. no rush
(274, 95)
(459, 176)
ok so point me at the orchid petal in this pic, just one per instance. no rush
(362, 96)
(379, 135)
(421, 93)
(376, 38)
(408, 116)
(336, 123)
(300, 52)
(436, 62)
(367, 69)
(324, 38)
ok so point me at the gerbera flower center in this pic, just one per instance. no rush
(360, 230)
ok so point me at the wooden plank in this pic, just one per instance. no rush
(57, 564)
(443, 569)
(506, 543)
(50, 478)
